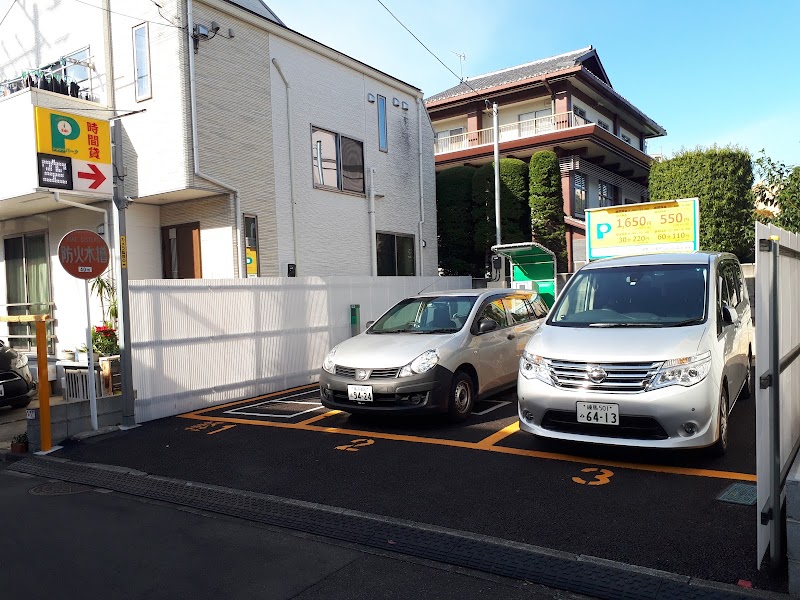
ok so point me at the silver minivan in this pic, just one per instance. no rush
(646, 351)
(434, 352)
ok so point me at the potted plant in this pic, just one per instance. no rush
(104, 340)
(19, 444)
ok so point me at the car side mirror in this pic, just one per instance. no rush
(370, 324)
(486, 325)
(729, 315)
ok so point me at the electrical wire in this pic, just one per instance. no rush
(461, 79)
(13, 2)
(114, 12)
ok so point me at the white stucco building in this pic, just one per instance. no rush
(249, 150)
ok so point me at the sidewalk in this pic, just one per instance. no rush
(70, 540)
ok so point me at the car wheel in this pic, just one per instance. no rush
(720, 447)
(462, 396)
(747, 389)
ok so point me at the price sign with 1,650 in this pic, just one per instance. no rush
(670, 226)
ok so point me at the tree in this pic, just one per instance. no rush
(777, 193)
(514, 210)
(547, 205)
(722, 179)
(457, 254)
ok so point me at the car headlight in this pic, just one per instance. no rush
(532, 366)
(682, 371)
(328, 363)
(19, 360)
(423, 363)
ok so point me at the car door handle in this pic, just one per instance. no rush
(511, 336)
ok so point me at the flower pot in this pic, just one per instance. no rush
(19, 448)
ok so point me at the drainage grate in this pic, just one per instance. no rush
(740, 493)
(519, 561)
(58, 488)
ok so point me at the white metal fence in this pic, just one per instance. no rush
(199, 342)
(777, 376)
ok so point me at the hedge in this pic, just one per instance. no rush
(454, 209)
(722, 179)
(547, 205)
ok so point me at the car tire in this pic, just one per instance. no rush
(747, 390)
(720, 447)
(462, 396)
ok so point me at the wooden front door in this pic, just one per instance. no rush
(180, 251)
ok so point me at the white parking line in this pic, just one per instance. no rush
(499, 403)
(241, 410)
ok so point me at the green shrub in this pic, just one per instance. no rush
(514, 209)
(457, 254)
(722, 179)
(547, 205)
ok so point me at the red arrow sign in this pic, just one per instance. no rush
(95, 175)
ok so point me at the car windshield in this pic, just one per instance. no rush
(634, 296)
(429, 314)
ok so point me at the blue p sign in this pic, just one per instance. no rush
(602, 229)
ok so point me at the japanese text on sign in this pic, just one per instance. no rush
(670, 226)
(70, 255)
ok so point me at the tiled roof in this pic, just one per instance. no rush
(512, 74)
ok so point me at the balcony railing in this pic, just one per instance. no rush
(511, 131)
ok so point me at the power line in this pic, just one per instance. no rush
(461, 79)
(13, 2)
(130, 16)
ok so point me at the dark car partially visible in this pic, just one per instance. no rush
(16, 384)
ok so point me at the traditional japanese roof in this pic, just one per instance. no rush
(543, 66)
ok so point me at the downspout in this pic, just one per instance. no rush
(234, 193)
(291, 173)
(373, 243)
(421, 187)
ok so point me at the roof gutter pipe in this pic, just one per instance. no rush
(421, 224)
(233, 192)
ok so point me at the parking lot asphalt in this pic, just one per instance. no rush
(650, 509)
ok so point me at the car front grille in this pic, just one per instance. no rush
(630, 427)
(350, 372)
(627, 378)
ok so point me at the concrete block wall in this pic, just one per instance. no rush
(70, 418)
(793, 526)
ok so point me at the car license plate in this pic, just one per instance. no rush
(599, 413)
(359, 393)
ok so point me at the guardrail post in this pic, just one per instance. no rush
(46, 439)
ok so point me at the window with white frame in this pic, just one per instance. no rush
(580, 115)
(337, 161)
(447, 142)
(603, 124)
(626, 138)
(606, 193)
(383, 137)
(141, 62)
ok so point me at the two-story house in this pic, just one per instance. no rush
(563, 103)
(249, 150)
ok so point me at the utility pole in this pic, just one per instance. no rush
(496, 171)
(123, 304)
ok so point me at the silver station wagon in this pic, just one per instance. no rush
(435, 352)
(642, 351)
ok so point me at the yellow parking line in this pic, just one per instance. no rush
(482, 446)
(256, 399)
(499, 435)
(221, 429)
(330, 413)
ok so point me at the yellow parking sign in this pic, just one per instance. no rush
(668, 226)
(72, 136)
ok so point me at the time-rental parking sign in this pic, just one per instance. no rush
(668, 226)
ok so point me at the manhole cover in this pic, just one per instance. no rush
(739, 493)
(58, 488)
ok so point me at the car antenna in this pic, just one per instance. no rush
(425, 288)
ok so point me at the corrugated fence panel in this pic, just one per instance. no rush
(199, 342)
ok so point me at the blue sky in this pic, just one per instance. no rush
(710, 72)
